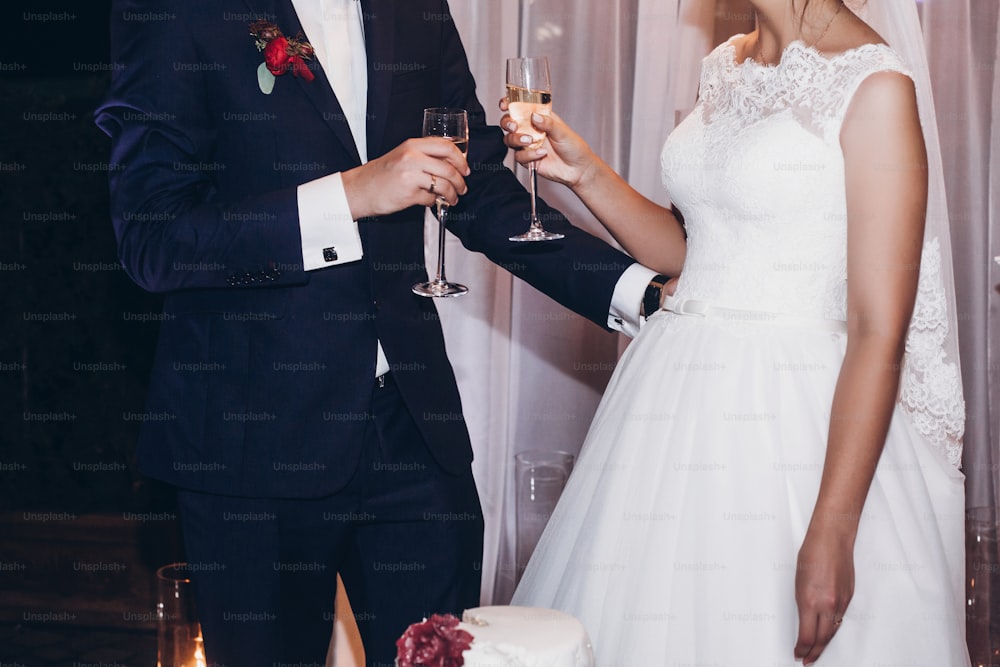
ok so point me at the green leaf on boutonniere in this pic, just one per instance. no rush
(265, 79)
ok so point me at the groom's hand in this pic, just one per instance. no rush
(415, 173)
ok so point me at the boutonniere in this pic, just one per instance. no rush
(281, 54)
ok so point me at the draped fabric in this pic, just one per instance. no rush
(547, 367)
(624, 73)
(673, 36)
(961, 40)
(481, 328)
(961, 37)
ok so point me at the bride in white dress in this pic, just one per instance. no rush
(772, 473)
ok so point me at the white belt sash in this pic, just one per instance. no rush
(699, 308)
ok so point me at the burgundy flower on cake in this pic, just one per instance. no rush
(437, 642)
(282, 54)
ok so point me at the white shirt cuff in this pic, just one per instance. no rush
(627, 299)
(329, 233)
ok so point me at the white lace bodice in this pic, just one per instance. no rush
(757, 171)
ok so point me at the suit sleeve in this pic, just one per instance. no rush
(580, 271)
(174, 230)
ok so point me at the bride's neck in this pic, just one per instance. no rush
(780, 22)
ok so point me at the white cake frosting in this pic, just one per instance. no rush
(525, 637)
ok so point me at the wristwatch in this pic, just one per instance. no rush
(651, 298)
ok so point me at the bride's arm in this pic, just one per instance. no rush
(647, 231)
(886, 176)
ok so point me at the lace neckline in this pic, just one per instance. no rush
(796, 45)
(816, 87)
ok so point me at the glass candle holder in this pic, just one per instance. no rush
(540, 477)
(179, 639)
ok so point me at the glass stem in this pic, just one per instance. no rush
(533, 177)
(442, 216)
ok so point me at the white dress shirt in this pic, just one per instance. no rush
(335, 30)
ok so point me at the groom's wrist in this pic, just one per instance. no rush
(653, 296)
(626, 301)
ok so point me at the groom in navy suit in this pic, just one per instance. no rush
(301, 399)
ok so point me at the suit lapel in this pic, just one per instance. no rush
(319, 91)
(379, 20)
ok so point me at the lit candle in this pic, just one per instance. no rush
(198, 657)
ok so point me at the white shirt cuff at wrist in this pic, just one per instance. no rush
(329, 233)
(627, 299)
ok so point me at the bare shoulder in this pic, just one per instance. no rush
(882, 112)
(882, 115)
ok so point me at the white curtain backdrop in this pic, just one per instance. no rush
(480, 328)
(531, 373)
(961, 38)
(525, 366)
(673, 36)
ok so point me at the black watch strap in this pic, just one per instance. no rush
(651, 298)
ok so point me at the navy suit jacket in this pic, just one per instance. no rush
(263, 372)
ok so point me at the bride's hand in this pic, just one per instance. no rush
(824, 585)
(567, 156)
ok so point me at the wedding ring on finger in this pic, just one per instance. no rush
(434, 182)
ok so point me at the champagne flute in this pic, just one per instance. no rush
(529, 90)
(453, 125)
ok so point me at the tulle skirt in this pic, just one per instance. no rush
(675, 541)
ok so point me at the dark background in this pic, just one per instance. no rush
(77, 341)
(81, 533)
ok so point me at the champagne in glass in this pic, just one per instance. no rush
(453, 125)
(461, 143)
(529, 90)
(522, 103)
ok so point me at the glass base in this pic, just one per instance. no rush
(537, 235)
(436, 288)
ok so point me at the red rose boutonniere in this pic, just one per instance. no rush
(437, 642)
(281, 54)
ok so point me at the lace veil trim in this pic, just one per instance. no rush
(931, 385)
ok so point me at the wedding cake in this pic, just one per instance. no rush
(498, 637)
(525, 637)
